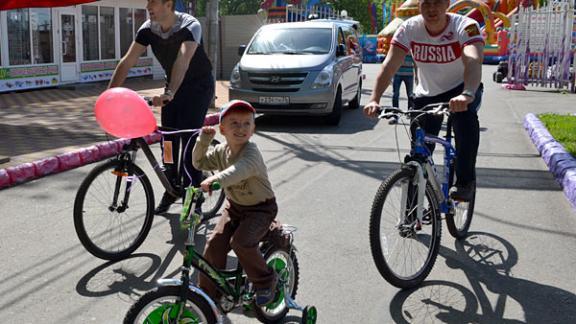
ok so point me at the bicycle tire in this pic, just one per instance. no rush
(404, 235)
(197, 308)
(458, 219)
(277, 258)
(109, 241)
(213, 203)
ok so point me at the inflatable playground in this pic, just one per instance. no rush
(492, 15)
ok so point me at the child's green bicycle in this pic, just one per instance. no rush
(179, 301)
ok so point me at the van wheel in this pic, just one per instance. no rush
(355, 103)
(334, 117)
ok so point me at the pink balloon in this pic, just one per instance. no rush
(123, 113)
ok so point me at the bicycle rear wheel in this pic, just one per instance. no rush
(458, 219)
(113, 210)
(285, 263)
(212, 203)
(404, 249)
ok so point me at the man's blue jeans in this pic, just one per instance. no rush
(396, 83)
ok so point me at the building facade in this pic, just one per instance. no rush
(45, 47)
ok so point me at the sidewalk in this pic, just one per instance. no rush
(42, 123)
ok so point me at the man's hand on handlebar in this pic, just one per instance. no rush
(372, 109)
(162, 100)
(460, 103)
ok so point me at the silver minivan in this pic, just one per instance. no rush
(301, 68)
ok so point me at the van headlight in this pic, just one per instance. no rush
(324, 78)
(235, 77)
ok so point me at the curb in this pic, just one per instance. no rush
(561, 163)
(26, 172)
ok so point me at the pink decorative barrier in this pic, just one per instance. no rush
(68, 161)
(107, 149)
(89, 155)
(153, 138)
(29, 171)
(5, 180)
(21, 173)
(46, 166)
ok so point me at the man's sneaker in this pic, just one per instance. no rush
(463, 192)
(165, 203)
(265, 296)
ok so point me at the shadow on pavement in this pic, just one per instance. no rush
(487, 261)
(486, 177)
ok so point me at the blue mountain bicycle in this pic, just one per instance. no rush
(405, 220)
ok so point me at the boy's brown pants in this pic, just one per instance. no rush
(241, 228)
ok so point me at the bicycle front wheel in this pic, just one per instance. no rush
(161, 306)
(404, 248)
(458, 219)
(113, 210)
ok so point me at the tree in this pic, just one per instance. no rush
(358, 9)
(239, 7)
(228, 7)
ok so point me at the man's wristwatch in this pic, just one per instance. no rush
(469, 93)
(169, 93)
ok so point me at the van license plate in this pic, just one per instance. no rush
(274, 100)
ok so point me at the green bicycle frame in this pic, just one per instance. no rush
(221, 278)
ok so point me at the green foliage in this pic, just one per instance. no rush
(562, 128)
(228, 7)
(239, 7)
(358, 9)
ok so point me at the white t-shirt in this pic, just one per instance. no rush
(438, 57)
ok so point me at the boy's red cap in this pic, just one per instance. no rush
(235, 105)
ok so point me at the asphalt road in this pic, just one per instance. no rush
(517, 266)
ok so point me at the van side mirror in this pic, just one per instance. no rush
(341, 50)
(241, 50)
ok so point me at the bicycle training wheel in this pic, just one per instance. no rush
(403, 248)
(212, 203)
(161, 306)
(113, 210)
(458, 219)
(285, 263)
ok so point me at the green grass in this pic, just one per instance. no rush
(562, 128)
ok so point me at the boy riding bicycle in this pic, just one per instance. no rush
(251, 206)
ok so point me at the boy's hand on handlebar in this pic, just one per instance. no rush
(372, 109)
(460, 103)
(206, 185)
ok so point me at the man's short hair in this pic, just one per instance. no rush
(173, 5)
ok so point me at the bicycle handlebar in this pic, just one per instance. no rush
(215, 186)
(439, 108)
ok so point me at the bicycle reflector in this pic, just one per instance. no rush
(122, 112)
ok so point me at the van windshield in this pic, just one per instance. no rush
(292, 41)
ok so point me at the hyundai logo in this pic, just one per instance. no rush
(275, 79)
